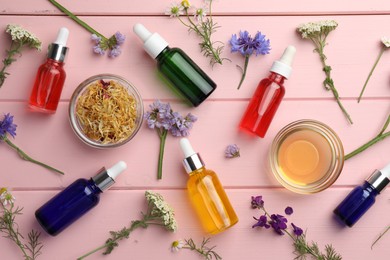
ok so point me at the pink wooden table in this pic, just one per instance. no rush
(352, 50)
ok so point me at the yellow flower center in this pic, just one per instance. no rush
(185, 3)
(175, 243)
(2, 190)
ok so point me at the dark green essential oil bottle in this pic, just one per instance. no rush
(177, 67)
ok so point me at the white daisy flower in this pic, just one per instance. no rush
(386, 41)
(6, 197)
(175, 10)
(177, 245)
(200, 13)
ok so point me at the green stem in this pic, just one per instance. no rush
(372, 70)
(367, 145)
(77, 20)
(24, 156)
(163, 137)
(244, 71)
(134, 225)
(380, 236)
(8, 61)
(381, 135)
(328, 83)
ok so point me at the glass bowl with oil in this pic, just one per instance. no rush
(306, 156)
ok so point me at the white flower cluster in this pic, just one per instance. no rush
(313, 29)
(161, 209)
(23, 36)
(386, 41)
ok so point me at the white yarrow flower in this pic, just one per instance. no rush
(19, 34)
(175, 10)
(386, 41)
(313, 29)
(162, 210)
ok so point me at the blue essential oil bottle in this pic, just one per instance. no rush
(179, 69)
(352, 208)
(76, 200)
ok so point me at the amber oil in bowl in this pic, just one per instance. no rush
(306, 156)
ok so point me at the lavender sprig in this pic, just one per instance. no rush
(278, 223)
(103, 43)
(162, 118)
(246, 45)
(7, 126)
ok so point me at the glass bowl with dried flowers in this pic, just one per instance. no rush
(106, 111)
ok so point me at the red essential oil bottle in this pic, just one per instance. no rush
(50, 77)
(268, 95)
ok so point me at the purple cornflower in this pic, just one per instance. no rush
(257, 202)
(289, 211)
(162, 118)
(232, 151)
(297, 230)
(246, 45)
(278, 223)
(262, 221)
(7, 126)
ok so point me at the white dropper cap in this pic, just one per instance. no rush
(105, 178)
(62, 36)
(154, 44)
(192, 161)
(117, 169)
(380, 179)
(283, 65)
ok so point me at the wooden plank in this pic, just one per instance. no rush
(50, 139)
(226, 7)
(118, 208)
(350, 65)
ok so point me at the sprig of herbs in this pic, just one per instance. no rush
(20, 37)
(10, 229)
(203, 25)
(205, 251)
(317, 32)
(379, 137)
(159, 213)
(302, 248)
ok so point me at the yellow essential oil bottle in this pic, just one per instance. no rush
(206, 193)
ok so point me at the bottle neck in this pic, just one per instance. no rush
(163, 53)
(277, 78)
(197, 171)
(368, 187)
(55, 62)
(93, 188)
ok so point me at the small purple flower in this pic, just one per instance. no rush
(7, 126)
(98, 50)
(96, 38)
(289, 211)
(278, 223)
(159, 116)
(247, 45)
(232, 151)
(262, 222)
(297, 230)
(120, 38)
(182, 126)
(257, 202)
(115, 52)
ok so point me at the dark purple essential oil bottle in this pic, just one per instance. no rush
(353, 207)
(76, 200)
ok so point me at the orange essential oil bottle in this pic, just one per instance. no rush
(268, 95)
(206, 193)
(50, 77)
